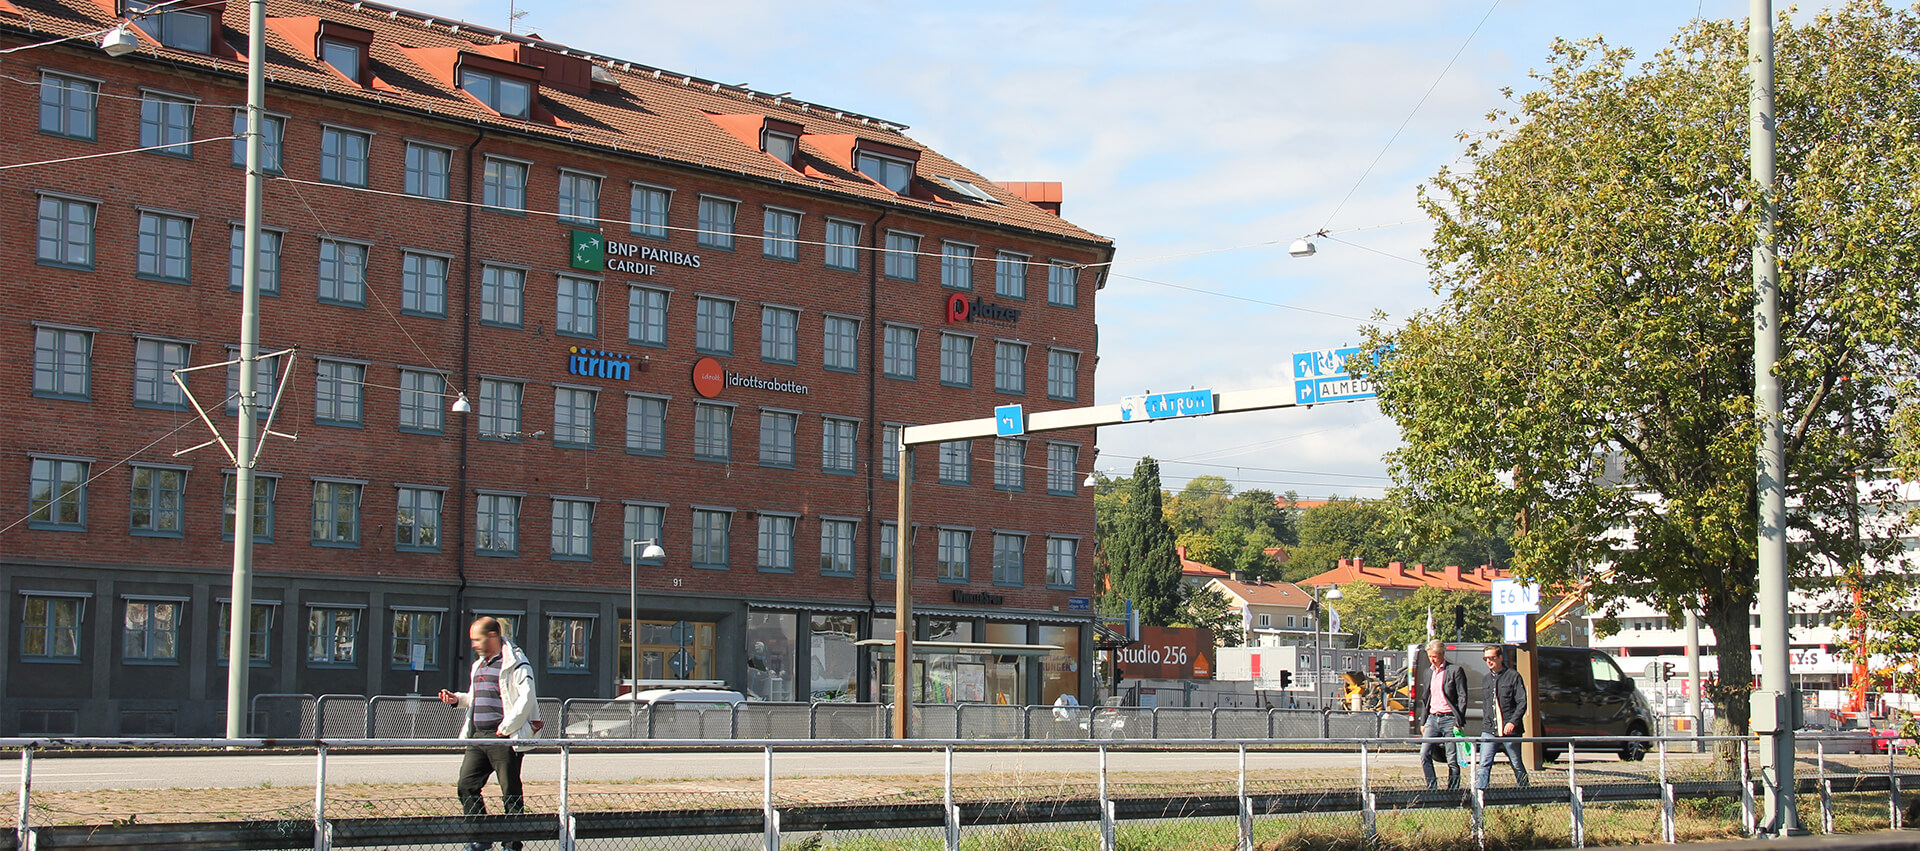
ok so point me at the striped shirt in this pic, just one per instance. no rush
(488, 709)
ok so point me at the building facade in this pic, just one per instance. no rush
(681, 312)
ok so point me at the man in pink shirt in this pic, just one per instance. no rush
(1440, 703)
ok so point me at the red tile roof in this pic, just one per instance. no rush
(1400, 576)
(1191, 568)
(1267, 593)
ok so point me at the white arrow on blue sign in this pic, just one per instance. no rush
(1155, 406)
(1515, 597)
(1321, 376)
(1009, 421)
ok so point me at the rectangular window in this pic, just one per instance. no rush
(500, 408)
(646, 425)
(338, 390)
(497, 524)
(1063, 285)
(266, 382)
(427, 167)
(643, 523)
(423, 285)
(183, 30)
(421, 410)
(166, 121)
(269, 250)
(1060, 557)
(956, 360)
(843, 245)
(647, 211)
(778, 230)
(579, 198)
(903, 256)
(503, 186)
(1063, 467)
(776, 437)
(150, 632)
(1063, 375)
(776, 543)
(837, 452)
(415, 630)
(896, 175)
(568, 645)
(1009, 464)
(713, 326)
(332, 636)
(1266, 620)
(572, 529)
(709, 538)
(779, 334)
(50, 627)
(573, 417)
(65, 232)
(273, 133)
(836, 547)
(336, 513)
(263, 488)
(951, 565)
(716, 223)
(1010, 274)
(345, 57)
(502, 292)
(780, 146)
(956, 266)
(712, 431)
(259, 631)
(1010, 367)
(153, 364)
(505, 95)
(343, 156)
(67, 106)
(956, 462)
(646, 316)
(897, 356)
(62, 363)
(158, 498)
(889, 451)
(1008, 554)
(576, 307)
(163, 247)
(839, 343)
(889, 549)
(416, 525)
(343, 273)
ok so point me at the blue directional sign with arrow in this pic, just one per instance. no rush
(1322, 376)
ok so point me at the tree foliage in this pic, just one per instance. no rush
(1201, 606)
(1409, 626)
(1140, 561)
(1593, 254)
(1365, 614)
(1344, 529)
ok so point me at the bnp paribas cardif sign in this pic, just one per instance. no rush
(962, 309)
(593, 253)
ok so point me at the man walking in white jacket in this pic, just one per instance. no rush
(501, 708)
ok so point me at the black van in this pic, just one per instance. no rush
(1580, 692)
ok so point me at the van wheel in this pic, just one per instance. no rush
(1634, 749)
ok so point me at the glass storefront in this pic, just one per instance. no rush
(771, 639)
(834, 660)
(669, 650)
(1060, 670)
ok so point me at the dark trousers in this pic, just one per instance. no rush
(501, 761)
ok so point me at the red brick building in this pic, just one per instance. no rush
(682, 311)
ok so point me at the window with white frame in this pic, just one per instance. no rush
(839, 343)
(836, 547)
(333, 636)
(707, 545)
(956, 266)
(568, 643)
(168, 121)
(647, 211)
(903, 256)
(343, 273)
(343, 156)
(956, 462)
(713, 326)
(576, 307)
(573, 416)
(898, 353)
(951, 563)
(423, 284)
(579, 198)
(269, 251)
(572, 529)
(1010, 367)
(780, 146)
(500, 408)
(889, 546)
(68, 106)
(646, 424)
(426, 170)
(502, 293)
(62, 363)
(336, 512)
(497, 523)
(154, 361)
(150, 630)
(57, 495)
(263, 491)
(1266, 620)
(956, 360)
(837, 444)
(420, 407)
(843, 245)
(338, 391)
(777, 430)
(65, 236)
(503, 184)
(163, 247)
(776, 543)
(1061, 553)
(1063, 462)
(347, 57)
(1063, 375)
(273, 134)
(1010, 274)
(779, 231)
(505, 95)
(895, 174)
(779, 334)
(1063, 285)
(182, 29)
(1009, 554)
(646, 316)
(157, 501)
(712, 431)
(416, 524)
(716, 223)
(1009, 463)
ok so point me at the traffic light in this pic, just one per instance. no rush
(1666, 671)
(1459, 618)
(1286, 679)
(1380, 669)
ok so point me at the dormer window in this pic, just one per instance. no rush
(346, 57)
(182, 30)
(781, 146)
(509, 97)
(894, 174)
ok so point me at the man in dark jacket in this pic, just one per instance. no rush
(1506, 712)
(1440, 701)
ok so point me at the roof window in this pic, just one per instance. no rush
(894, 174)
(346, 57)
(781, 146)
(505, 95)
(182, 30)
(967, 189)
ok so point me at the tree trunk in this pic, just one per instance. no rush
(1728, 614)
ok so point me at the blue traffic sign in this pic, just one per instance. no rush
(1322, 377)
(1009, 421)
(1155, 406)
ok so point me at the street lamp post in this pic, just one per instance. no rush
(1319, 669)
(634, 554)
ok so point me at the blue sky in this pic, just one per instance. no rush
(1178, 129)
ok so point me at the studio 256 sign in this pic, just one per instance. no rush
(1168, 653)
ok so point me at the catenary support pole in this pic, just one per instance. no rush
(1693, 676)
(903, 597)
(240, 610)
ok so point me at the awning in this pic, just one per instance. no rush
(967, 647)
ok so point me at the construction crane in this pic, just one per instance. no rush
(1573, 599)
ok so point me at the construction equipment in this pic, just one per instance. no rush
(1376, 694)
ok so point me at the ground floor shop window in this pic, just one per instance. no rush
(771, 638)
(669, 650)
(834, 658)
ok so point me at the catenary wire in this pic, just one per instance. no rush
(166, 146)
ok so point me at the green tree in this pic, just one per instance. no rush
(1410, 624)
(1365, 614)
(1257, 510)
(1593, 253)
(1343, 529)
(1203, 607)
(1141, 564)
(1199, 506)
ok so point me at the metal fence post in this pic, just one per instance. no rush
(1106, 806)
(1246, 806)
(951, 810)
(566, 808)
(23, 826)
(1213, 723)
(1577, 815)
(1666, 799)
(1480, 816)
(1826, 788)
(1747, 814)
(369, 716)
(322, 829)
(767, 812)
(1893, 789)
(1366, 799)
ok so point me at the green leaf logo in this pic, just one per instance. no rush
(588, 251)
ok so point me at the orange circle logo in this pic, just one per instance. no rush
(708, 377)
